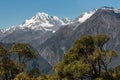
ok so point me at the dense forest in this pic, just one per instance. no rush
(85, 60)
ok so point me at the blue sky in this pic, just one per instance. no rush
(14, 12)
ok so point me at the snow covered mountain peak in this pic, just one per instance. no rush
(67, 20)
(41, 21)
(108, 8)
(111, 8)
(83, 17)
(42, 14)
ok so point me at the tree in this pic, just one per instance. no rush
(34, 73)
(22, 76)
(3, 54)
(42, 77)
(115, 72)
(8, 68)
(52, 77)
(86, 59)
(24, 52)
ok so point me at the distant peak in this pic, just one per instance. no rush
(43, 21)
(67, 20)
(111, 9)
(42, 14)
(106, 7)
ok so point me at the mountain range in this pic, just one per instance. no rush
(51, 36)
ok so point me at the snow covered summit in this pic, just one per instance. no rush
(42, 21)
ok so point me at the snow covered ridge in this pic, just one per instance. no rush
(111, 8)
(41, 21)
(83, 17)
(86, 16)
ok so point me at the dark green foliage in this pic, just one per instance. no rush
(100, 40)
(42, 77)
(22, 76)
(24, 52)
(86, 59)
(34, 73)
(9, 68)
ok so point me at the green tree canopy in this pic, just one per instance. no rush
(24, 52)
(10, 67)
(86, 59)
(22, 76)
